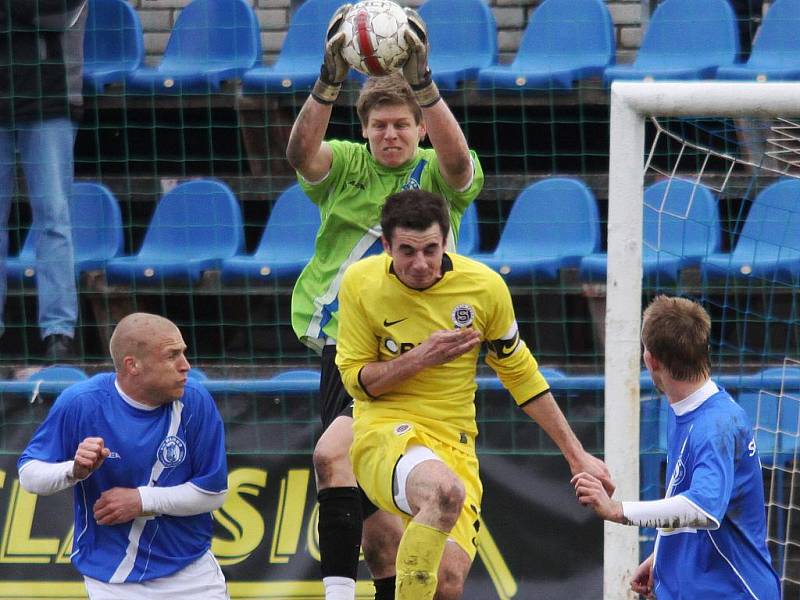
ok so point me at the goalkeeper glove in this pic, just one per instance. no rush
(416, 70)
(334, 68)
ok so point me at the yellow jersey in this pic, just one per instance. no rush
(380, 318)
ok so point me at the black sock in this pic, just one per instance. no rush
(384, 588)
(340, 520)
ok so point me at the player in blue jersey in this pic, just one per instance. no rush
(144, 450)
(712, 527)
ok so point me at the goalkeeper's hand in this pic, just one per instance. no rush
(334, 68)
(416, 70)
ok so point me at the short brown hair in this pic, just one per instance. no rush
(390, 90)
(416, 210)
(676, 332)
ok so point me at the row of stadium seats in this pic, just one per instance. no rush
(553, 225)
(564, 41)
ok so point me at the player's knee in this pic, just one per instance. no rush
(450, 499)
(451, 584)
(329, 461)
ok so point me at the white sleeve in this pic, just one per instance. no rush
(44, 478)
(182, 500)
(673, 512)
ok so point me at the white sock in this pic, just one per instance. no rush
(339, 588)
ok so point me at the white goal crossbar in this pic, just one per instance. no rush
(631, 104)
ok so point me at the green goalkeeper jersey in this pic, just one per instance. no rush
(350, 198)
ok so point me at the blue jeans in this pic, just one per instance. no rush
(45, 149)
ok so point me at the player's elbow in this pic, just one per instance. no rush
(218, 500)
(460, 173)
(296, 157)
(25, 482)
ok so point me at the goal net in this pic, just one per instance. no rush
(704, 202)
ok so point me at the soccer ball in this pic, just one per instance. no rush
(374, 40)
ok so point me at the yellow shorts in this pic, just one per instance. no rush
(375, 455)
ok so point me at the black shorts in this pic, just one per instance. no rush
(336, 402)
(334, 399)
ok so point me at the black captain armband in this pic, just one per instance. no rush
(505, 346)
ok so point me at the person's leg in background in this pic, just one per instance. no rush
(342, 504)
(46, 151)
(381, 537)
(340, 513)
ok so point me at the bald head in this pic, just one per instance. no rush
(136, 334)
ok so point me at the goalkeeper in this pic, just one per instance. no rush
(412, 321)
(712, 530)
(348, 182)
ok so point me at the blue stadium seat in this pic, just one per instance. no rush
(212, 41)
(96, 233)
(776, 48)
(463, 39)
(197, 374)
(194, 228)
(286, 245)
(552, 225)
(769, 243)
(59, 374)
(685, 39)
(113, 44)
(297, 375)
(565, 40)
(468, 233)
(297, 67)
(681, 226)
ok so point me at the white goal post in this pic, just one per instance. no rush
(631, 104)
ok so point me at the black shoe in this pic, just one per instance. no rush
(57, 347)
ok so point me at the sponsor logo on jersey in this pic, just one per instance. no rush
(396, 348)
(462, 316)
(360, 185)
(172, 451)
(403, 428)
(114, 455)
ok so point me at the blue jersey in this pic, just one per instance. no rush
(180, 442)
(714, 464)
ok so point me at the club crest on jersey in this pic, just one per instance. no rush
(678, 473)
(462, 316)
(402, 428)
(172, 451)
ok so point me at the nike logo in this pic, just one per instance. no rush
(390, 323)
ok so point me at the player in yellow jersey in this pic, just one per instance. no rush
(411, 322)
